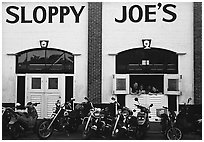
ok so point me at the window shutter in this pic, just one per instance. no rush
(121, 84)
(172, 84)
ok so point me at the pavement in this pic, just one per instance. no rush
(153, 134)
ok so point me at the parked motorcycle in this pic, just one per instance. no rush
(6, 117)
(107, 123)
(169, 126)
(142, 119)
(188, 121)
(93, 122)
(63, 119)
(18, 122)
(125, 126)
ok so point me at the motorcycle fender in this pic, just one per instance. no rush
(11, 122)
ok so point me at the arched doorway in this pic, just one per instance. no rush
(151, 69)
(44, 75)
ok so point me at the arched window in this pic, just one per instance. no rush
(140, 60)
(45, 61)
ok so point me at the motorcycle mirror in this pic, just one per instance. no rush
(72, 99)
(18, 104)
(136, 99)
(189, 99)
(86, 98)
(112, 98)
(151, 105)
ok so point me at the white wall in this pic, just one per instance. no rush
(176, 36)
(68, 36)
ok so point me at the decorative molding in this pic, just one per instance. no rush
(76, 54)
(181, 53)
(11, 54)
(113, 54)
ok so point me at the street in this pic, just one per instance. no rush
(152, 134)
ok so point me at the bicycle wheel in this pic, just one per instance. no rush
(173, 133)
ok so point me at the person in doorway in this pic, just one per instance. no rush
(134, 90)
(148, 89)
(141, 90)
(154, 90)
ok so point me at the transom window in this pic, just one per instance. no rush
(45, 61)
(140, 60)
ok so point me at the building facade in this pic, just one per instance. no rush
(100, 50)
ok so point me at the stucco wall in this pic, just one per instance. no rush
(68, 36)
(176, 36)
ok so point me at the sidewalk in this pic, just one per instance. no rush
(154, 133)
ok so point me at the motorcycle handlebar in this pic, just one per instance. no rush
(35, 104)
(138, 105)
(70, 101)
(86, 98)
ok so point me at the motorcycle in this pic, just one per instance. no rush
(6, 117)
(93, 122)
(63, 119)
(188, 121)
(18, 122)
(107, 123)
(125, 125)
(142, 119)
(169, 126)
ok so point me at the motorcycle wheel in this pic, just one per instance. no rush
(86, 135)
(115, 135)
(74, 127)
(14, 130)
(173, 133)
(140, 134)
(42, 131)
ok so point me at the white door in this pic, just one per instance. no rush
(46, 89)
(158, 102)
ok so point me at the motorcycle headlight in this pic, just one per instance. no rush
(66, 113)
(119, 111)
(96, 114)
(125, 113)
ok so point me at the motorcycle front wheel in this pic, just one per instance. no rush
(86, 134)
(43, 131)
(173, 133)
(14, 130)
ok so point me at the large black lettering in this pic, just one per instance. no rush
(64, 10)
(147, 13)
(124, 15)
(43, 14)
(8, 10)
(53, 10)
(77, 14)
(23, 20)
(140, 13)
(174, 16)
